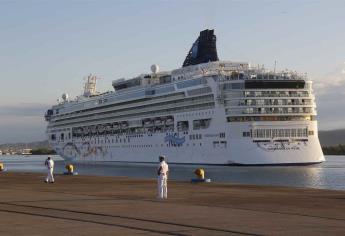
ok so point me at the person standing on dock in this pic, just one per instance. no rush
(162, 172)
(49, 163)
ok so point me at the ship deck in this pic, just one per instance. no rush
(90, 205)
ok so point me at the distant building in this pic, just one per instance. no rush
(26, 151)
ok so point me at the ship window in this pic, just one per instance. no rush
(165, 79)
(190, 83)
(182, 125)
(269, 84)
(201, 124)
(237, 85)
(223, 144)
(165, 90)
(50, 112)
(279, 133)
(149, 92)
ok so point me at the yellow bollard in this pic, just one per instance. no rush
(200, 173)
(70, 168)
(2, 167)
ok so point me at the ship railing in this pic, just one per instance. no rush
(152, 113)
(65, 116)
(259, 75)
(135, 111)
(265, 112)
(268, 104)
(227, 95)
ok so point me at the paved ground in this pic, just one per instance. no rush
(88, 205)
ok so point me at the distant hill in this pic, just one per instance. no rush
(18, 146)
(332, 137)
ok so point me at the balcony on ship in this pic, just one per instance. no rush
(271, 110)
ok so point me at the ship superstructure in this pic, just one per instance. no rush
(208, 111)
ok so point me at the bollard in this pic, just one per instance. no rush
(200, 173)
(70, 169)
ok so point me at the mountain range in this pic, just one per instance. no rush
(332, 137)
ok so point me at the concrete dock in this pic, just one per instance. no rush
(90, 205)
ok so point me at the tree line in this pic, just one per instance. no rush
(42, 151)
(334, 150)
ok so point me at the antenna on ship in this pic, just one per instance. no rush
(154, 77)
(90, 85)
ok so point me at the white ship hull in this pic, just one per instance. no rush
(245, 153)
(211, 149)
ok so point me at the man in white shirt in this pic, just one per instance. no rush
(49, 163)
(162, 172)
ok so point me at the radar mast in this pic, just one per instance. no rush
(90, 85)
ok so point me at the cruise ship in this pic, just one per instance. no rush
(206, 112)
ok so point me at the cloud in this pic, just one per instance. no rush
(329, 91)
(331, 82)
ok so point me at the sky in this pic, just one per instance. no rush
(48, 47)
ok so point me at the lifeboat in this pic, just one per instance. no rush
(93, 129)
(86, 130)
(100, 128)
(115, 126)
(148, 123)
(124, 124)
(169, 121)
(158, 122)
(108, 128)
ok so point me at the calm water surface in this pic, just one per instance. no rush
(328, 175)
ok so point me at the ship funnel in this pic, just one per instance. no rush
(203, 50)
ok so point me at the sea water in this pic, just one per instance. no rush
(327, 175)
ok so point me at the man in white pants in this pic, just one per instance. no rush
(162, 172)
(49, 163)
